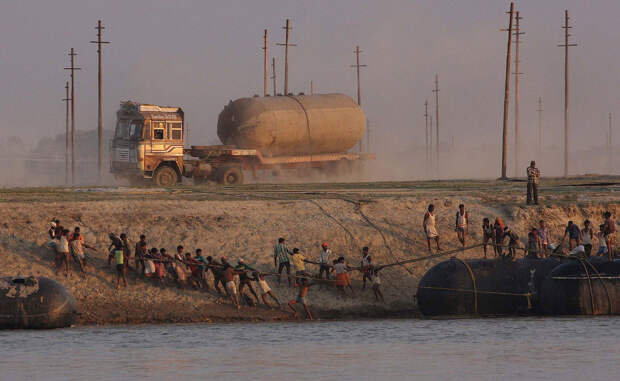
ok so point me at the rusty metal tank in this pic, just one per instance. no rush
(35, 302)
(293, 124)
(483, 287)
(588, 286)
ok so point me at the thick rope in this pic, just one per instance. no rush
(528, 295)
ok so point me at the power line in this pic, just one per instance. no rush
(436, 91)
(426, 134)
(72, 54)
(99, 28)
(286, 45)
(566, 45)
(265, 66)
(357, 67)
(539, 110)
(507, 93)
(517, 73)
(273, 70)
(67, 136)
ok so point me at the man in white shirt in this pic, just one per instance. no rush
(324, 255)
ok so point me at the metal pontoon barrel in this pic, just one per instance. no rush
(35, 302)
(483, 287)
(583, 287)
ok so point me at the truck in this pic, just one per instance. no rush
(292, 132)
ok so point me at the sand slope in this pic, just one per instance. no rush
(390, 226)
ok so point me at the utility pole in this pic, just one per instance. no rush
(286, 44)
(540, 110)
(436, 91)
(426, 134)
(566, 45)
(311, 87)
(367, 136)
(67, 142)
(273, 70)
(430, 142)
(610, 148)
(265, 67)
(507, 93)
(73, 69)
(99, 28)
(357, 66)
(517, 73)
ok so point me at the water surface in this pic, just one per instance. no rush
(464, 349)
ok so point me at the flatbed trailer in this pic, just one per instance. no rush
(225, 164)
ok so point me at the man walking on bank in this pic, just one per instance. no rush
(533, 174)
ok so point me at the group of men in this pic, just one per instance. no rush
(500, 236)
(66, 245)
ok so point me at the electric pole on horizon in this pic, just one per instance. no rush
(67, 141)
(436, 91)
(566, 45)
(357, 67)
(610, 148)
(286, 45)
(99, 28)
(517, 73)
(367, 135)
(539, 110)
(311, 87)
(266, 65)
(72, 54)
(507, 93)
(426, 151)
(430, 142)
(273, 70)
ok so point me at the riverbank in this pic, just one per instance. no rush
(245, 222)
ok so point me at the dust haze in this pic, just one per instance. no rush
(201, 54)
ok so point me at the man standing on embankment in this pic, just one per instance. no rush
(533, 174)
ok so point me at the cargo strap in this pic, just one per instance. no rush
(307, 120)
(589, 284)
(473, 280)
(583, 262)
(600, 278)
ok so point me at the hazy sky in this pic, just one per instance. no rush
(201, 54)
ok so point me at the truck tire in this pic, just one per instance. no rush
(165, 177)
(229, 176)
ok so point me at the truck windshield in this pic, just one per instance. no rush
(126, 129)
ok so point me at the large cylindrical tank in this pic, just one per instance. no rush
(483, 287)
(293, 125)
(583, 287)
(35, 302)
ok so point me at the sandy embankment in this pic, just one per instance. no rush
(249, 229)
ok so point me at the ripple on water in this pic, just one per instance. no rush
(465, 349)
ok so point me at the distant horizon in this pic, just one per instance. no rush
(199, 55)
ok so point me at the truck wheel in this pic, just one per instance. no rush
(230, 176)
(165, 177)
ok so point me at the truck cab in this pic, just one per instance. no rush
(148, 144)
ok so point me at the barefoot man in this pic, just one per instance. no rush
(460, 225)
(429, 227)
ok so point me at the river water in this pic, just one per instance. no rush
(460, 349)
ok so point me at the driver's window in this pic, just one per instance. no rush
(159, 130)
